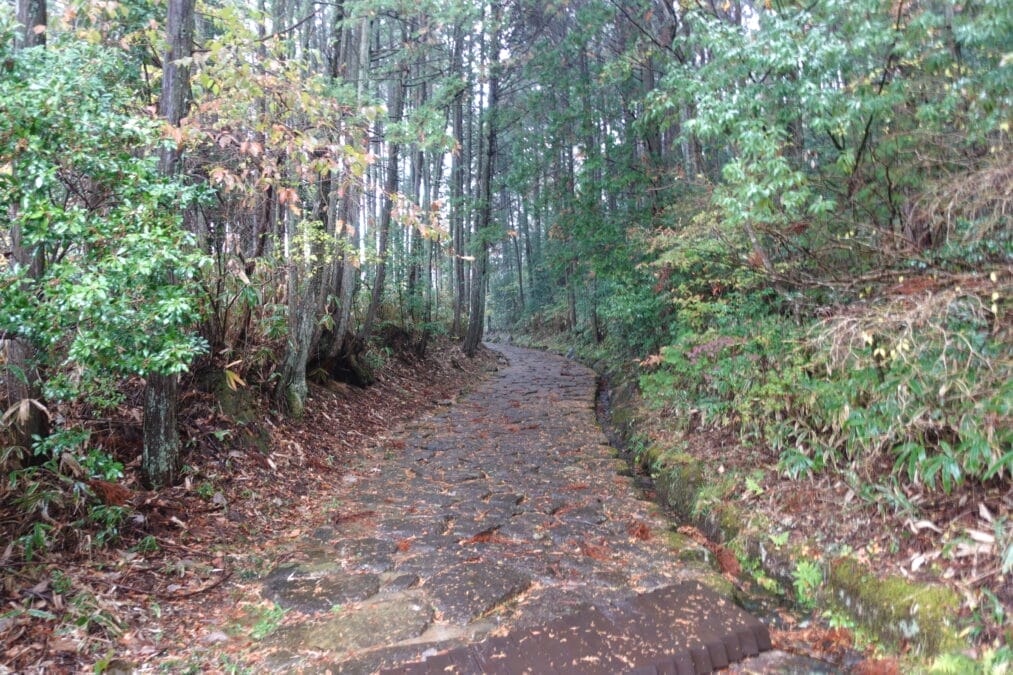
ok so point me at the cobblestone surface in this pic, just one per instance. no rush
(503, 512)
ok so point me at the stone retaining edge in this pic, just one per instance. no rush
(894, 610)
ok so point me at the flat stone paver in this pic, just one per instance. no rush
(498, 535)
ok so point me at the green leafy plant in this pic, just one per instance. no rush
(147, 544)
(268, 620)
(780, 539)
(807, 578)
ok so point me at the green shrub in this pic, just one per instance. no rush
(926, 380)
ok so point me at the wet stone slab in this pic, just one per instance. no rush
(504, 512)
(318, 587)
(682, 629)
(467, 591)
(370, 554)
(387, 621)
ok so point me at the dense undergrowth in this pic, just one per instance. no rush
(923, 381)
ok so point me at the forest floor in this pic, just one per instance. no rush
(259, 561)
(118, 608)
(392, 523)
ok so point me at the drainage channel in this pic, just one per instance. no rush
(768, 607)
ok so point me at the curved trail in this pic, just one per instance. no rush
(491, 518)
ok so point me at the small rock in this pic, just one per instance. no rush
(214, 638)
(318, 588)
(385, 622)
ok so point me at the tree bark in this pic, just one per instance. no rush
(457, 186)
(476, 317)
(351, 202)
(160, 458)
(32, 17)
(390, 188)
(23, 379)
(304, 282)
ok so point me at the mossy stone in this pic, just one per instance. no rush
(894, 609)
(240, 405)
(621, 417)
(678, 483)
(723, 521)
(686, 550)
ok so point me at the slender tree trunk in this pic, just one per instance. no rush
(23, 380)
(520, 271)
(457, 186)
(435, 174)
(351, 203)
(596, 326)
(571, 295)
(528, 257)
(32, 17)
(390, 188)
(160, 459)
(476, 317)
(304, 281)
(415, 241)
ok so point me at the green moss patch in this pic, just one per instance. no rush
(896, 610)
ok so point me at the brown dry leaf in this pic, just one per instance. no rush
(727, 561)
(638, 530)
(877, 667)
(594, 551)
(340, 519)
(63, 644)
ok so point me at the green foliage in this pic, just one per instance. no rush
(634, 315)
(109, 295)
(56, 486)
(838, 91)
(266, 620)
(729, 372)
(925, 382)
(807, 578)
(992, 661)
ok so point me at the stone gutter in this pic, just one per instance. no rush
(899, 613)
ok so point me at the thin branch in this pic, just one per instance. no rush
(291, 28)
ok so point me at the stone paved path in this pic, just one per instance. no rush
(501, 513)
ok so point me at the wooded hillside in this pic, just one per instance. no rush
(792, 218)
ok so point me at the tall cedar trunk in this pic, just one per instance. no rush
(520, 271)
(457, 186)
(512, 227)
(390, 188)
(528, 257)
(351, 203)
(469, 187)
(160, 459)
(415, 239)
(476, 317)
(571, 296)
(304, 281)
(32, 17)
(23, 380)
(413, 235)
(432, 188)
(596, 327)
